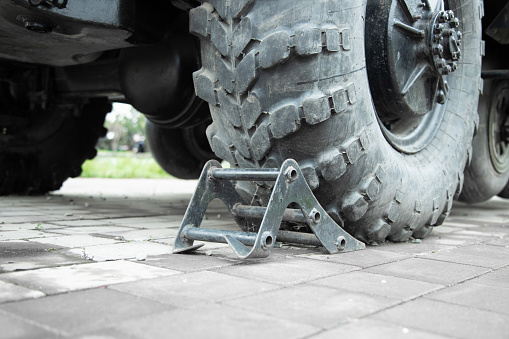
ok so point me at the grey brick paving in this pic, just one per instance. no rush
(472, 294)
(447, 319)
(379, 285)
(287, 272)
(77, 277)
(86, 310)
(497, 278)
(433, 271)
(194, 289)
(11, 292)
(14, 326)
(315, 305)
(477, 255)
(215, 321)
(369, 328)
(94, 261)
(367, 258)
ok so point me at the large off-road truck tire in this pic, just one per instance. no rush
(488, 173)
(352, 90)
(39, 150)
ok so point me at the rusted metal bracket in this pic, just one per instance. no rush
(290, 187)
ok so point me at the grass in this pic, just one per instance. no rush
(122, 165)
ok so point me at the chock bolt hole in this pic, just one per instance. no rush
(341, 243)
(291, 174)
(316, 217)
(268, 241)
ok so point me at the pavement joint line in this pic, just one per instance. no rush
(456, 304)
(31, 322)
(459, 263)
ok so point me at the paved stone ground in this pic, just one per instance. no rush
(93, 260)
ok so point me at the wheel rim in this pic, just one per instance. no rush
(412, 48)
(499, 129)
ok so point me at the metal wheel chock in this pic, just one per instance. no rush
(290, 187)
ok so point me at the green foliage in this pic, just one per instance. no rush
(123, 165)
(123, 123)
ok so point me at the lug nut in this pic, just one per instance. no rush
(446, 70)
(438, 49)
(439, 28)
(454, 66)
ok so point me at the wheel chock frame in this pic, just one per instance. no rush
(290, 187)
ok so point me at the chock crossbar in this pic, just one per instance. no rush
(290, 188)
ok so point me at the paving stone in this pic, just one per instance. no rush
(126, 250)
(14, 327)
(207, 247)
(78, 277)
(482, 235)
(504, 242)
(378, 284)
(89, 230)
(432, 271)
(369, 328)
(446, 319)
(427, 245)
(278, 253)
(190, 262)
(213, 321)
(146, 222)
(16, 213)
(499, 277)
(195, 289)
(452, 222)
(25, 255)
(27, 226)
(443, 229)
(477, 255)
(319, 306)
(22, 234)
(145, 234)
(72, 241)
(11, 292)
(365, 258)
(105, 333)
(287, 272)
(75, 313)
(85, 222)
(494, 298)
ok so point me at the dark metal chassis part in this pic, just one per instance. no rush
(290, 188)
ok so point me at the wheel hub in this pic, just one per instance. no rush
(445, 41)
(412, 47)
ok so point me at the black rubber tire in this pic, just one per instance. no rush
(505, 192)
(287, 79)
(36, 162)
(181, 152)
(482, 180)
